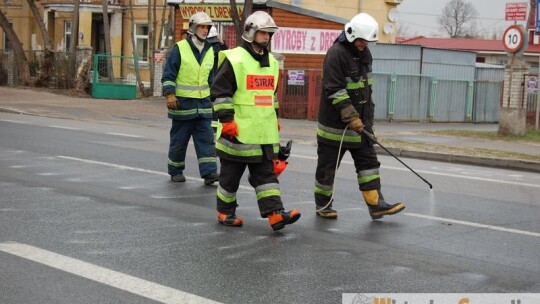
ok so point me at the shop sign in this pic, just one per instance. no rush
(303, 40)
(217, 12)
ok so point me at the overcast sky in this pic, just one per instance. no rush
(420, 16)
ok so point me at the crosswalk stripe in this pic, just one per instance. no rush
(103, 275)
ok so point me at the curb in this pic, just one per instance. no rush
(12, 111)
(514, 164)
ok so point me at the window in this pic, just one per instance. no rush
(166, 36)
(7, 43)
(67, 35)
(141, 41)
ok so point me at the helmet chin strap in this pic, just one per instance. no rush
(199, 38)
(261, 45)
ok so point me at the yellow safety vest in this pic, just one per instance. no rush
(192, 78)
(253, 101)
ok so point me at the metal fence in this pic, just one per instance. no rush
(410, 83)
(402, 97)
(114, 77)
(530, 88)
(62, 74)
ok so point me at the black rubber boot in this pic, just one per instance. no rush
(211, 178)
(382, 208)
(178, 178)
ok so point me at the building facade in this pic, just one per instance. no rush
(308, 27)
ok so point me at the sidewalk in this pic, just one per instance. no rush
(402, 139)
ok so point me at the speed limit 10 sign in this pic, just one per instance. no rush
(513, 38)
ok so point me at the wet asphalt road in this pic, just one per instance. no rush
(81, 196)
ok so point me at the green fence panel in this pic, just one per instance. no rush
(112, 78)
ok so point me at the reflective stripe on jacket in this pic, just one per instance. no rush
(347, 80)
(254, 101)
(192, 78)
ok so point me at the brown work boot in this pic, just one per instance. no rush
(327, 212)
(230, 220)
(278, 219)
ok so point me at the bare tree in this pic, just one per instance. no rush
(135, 53)
(152, 25)
(240, 20)
(107, 38)
(404, 31)
(458, 19)
(23, 67)
(75, 28)
(44, 76)
(162, 30)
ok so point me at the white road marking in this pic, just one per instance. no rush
(66, 128)
(523, 232)
(472, 224)
(126, 135)
(439, 173)
(103, 275)
(89, 161)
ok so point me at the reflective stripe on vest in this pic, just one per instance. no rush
(241, 150)
(254, 101)
(192, 78)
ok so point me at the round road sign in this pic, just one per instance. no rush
(513, 38)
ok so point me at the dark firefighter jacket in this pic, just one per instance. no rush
(189, 108)
(347, 80)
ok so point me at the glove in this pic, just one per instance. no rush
(278, 126)
(230, 129)
(356, 125)
(172, 103)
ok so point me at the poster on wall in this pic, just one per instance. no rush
(296, 77)
(303, 40)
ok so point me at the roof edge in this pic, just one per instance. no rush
(307, 12)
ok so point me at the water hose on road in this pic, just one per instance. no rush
(372, 137)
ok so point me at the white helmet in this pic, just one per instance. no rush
(212, 36)
(362, 26)
(199, 18)
(212, 33)
(258, 21)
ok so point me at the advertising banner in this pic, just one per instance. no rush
(303, 40)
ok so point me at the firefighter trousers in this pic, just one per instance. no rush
(365, 163)
(261, 177)
(203, 138)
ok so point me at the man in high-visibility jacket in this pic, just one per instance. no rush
(186, 85)
(244, 100)
(347, 108)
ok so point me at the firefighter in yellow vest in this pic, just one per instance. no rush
(244, 100)
(185, 79)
